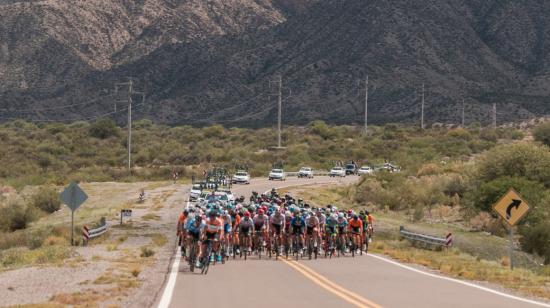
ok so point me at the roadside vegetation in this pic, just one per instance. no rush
(456, 195)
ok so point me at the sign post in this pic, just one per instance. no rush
(125, 213)
(73, 196)
(512, 208)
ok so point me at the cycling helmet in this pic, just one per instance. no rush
(367, 212)
(198, 218)
(212, 213)
(288, 214)
(247, 214)
(340, 215)
(261, 211)
(350, 212)
(355, 217)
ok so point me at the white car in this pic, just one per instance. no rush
(365, 170)
(229, 195)
(337, 171)
(241, 177)
(277, 174)
(305, 172)
(195, 192)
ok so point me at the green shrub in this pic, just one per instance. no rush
(104, 128)
(536, 239)
(542, 133)
(16, 215)
(47, 200)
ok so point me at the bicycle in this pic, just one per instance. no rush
(330, 240)
(193, 255)
(206, 258)
(311, 244)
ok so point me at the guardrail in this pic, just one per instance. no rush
(88, 234)
(427, 240)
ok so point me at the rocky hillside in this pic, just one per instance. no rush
(204, 61)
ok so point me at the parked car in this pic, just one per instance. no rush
(241, 177)
(277, 174)
(211, 197)
(195, 192)
(337, 171)
(351, 168)
(365, 170)
(305, 172)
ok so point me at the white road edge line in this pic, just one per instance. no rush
(461, 282)
(166, 298)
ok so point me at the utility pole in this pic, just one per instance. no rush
(422, 109)
(494, 115)
(463, 113)
(280, 112)
(366, 103)
(129, 100)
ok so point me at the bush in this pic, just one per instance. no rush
(103, 129)
(16, 215)
(146, 252)
(542, 133)
(536, 239)
(526, 160)
(429, 169)
(486, 194)
(47, 200)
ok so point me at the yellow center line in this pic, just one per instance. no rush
(332, 287)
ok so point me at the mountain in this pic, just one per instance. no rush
(213, 61)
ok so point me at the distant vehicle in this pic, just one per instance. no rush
(241, 177)
(229, 194)
(277, 174)
(351, 168)
(211, 197)
(365, 170)
(195, 192)
(337, 171)
(305, 172)
(387, 167)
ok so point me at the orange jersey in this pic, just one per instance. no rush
(355, 223)
(370, 219)
(213, 226)
(182, 218)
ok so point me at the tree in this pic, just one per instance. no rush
(104, 128)
(542, 133)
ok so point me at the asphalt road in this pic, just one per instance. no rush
(363, 281)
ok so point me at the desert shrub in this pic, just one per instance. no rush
(12, 239)
(418, 214)
(146, 252)
(460, 133)
(516, 160)
(16, 215)
(489, 135)
(47, 200)
(517, 135)
(429, 169)
(536, 239)
(486, 194)
(542, 133)
(104, 128)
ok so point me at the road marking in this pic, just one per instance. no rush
(461, 282)
(166, 298)
(332, 287)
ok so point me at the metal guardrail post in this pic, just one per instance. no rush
(427, 240)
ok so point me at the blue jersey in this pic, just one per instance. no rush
(298, 222)
(192, 226)
(342, 222)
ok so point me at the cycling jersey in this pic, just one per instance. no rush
(213, 225)
(192, 226)
(312, 221)
(277, 220)
(260, 221)
(298, 222)
(245, 225)
(332, 221)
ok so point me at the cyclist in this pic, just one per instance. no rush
(312, 228)
(227, 224)
(370, 223)
(297, 224)
(195, 227)
(278, 222)
(245, 226)
(261, 222)
(356, 229)
(213, 231)
(342, 224)
(322, 221)
(330, 230)
(181, 230)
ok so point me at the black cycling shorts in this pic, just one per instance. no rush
(277, 228)
(245, 231)
(355, 230)
(296, 230)
(195, 235)
(309, 230)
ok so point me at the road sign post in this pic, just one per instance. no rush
(512, 208)
(73, 196)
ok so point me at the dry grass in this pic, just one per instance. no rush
(454, 263)
(150, 216)
(21, 257)
(158, 239)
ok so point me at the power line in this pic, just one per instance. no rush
(55, 107)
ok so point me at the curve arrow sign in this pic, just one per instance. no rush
(515, 204)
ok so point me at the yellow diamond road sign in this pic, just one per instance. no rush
(511, 207)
